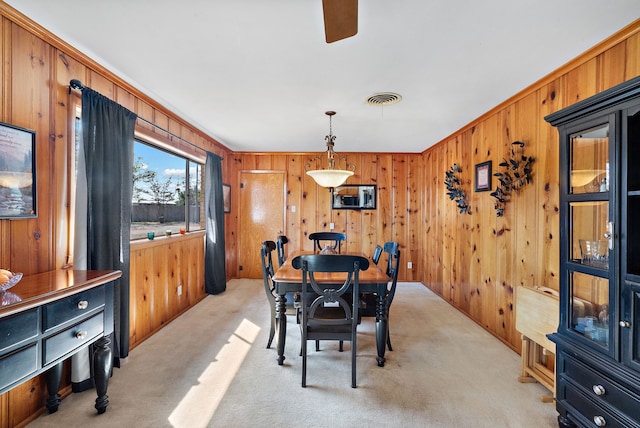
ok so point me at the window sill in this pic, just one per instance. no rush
(165, 240)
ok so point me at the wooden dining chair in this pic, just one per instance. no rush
(326, 314)
(368, 301)
(270, 287)
(281, 241)
(333, 239)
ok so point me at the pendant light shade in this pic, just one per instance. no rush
(330, 177)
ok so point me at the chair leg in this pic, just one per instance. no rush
(272, 330)
(317, 345)
(388, 338)
(340, 348)
(353, 362)
(304, 363)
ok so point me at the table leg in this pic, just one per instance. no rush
(281, 325)
(53, 377)
(102, 363)
(381, 326)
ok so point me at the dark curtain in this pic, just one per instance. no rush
(108, 132)
(215, 274)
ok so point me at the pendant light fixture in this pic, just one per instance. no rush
(330, 177)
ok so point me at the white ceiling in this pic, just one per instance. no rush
(257, 75)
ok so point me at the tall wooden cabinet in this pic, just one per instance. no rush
(598, 337)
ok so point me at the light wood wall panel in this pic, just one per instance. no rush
(36, 70)
(484, 257)
(471, 261)
(399, 179)
(158, 268)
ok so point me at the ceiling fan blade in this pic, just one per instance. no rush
(340, 19)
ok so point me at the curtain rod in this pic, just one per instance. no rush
(76, 84)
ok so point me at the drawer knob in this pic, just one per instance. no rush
(599, 389)
(83, 304)
(599, 421)
(81, 334)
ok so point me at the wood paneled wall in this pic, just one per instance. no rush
(473, 261)
(476, 261)
(159, 268)
(36, 70)
(398, 217)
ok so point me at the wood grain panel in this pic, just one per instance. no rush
(293, 229)
(612, 67)
(527, 199)
(30, 108)
(464, 226)
(632, 56)
(481, 203)
(487, 246)
(413, 248)
(384, 207)
(157, 269)
(399, 188)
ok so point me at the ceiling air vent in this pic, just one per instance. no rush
(384, 99)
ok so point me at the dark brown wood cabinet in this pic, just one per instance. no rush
(598, 337)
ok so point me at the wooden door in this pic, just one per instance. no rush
(261, 217)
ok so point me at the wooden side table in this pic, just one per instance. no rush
(537, 314)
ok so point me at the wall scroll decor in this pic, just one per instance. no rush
(516, 173)
(454, 188)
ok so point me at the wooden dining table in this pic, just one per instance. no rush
(373, 280)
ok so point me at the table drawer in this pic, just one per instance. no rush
(18, 365)
(70, 308)
(18, 328)
(599, 387)
(72, 338)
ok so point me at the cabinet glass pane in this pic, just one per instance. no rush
(590, 160)
(633, 152)
(633, 195)
(590, 308)
(588, 228)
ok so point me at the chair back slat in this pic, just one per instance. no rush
(280, 243)
(266, 259)
(376, 254)
(334, 239)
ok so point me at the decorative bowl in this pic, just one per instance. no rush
(7, 298)
(13, 281)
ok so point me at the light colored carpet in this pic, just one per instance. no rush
(210, 368)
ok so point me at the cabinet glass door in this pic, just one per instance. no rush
(589, 238)
(630, 317)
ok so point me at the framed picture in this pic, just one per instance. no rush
(483, 176)
(17, 172)
(226, 197)
(354, 197)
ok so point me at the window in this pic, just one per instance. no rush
(167, 192)
(162, 201)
